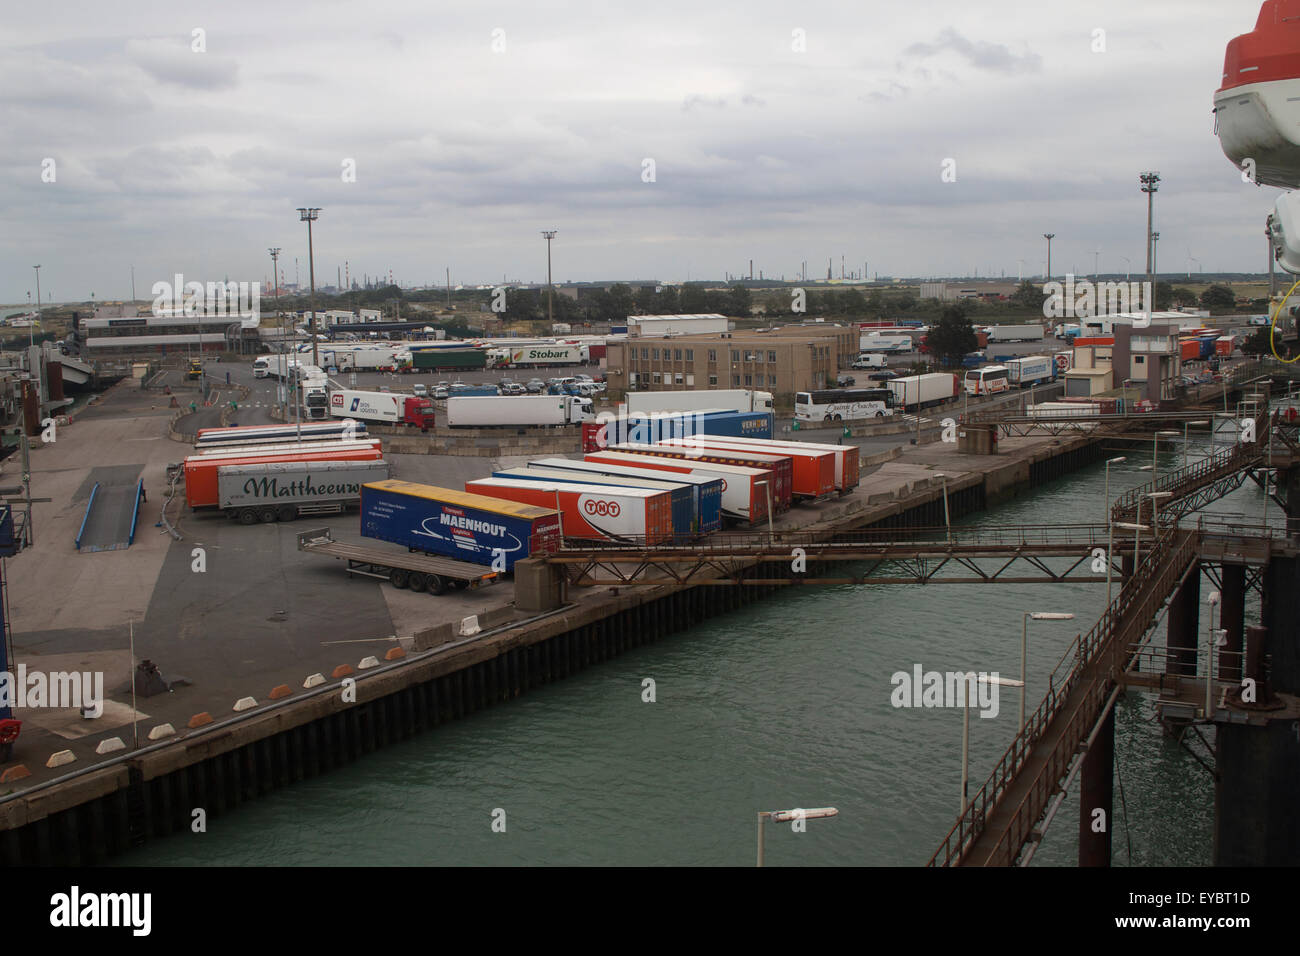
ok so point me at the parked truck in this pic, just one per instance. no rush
(607, 513)
(812, 472)
(509, 411)
(847, 457)
(1016, 333)
(875, 342)
(778, 466)
(202, 471)
(706, 493)
(922, 391)
(533, 356)
(745, 490)
(684, 519)
(284, 490)
(454, 359)
(457, 524)
(386, 407)
(733, 399)
(1031, 370)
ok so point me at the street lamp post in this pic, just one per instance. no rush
(1213, 601)
(788, 816)
(550, 289)
(1110, 525)
(30, 340)
(1024, 649)
(1049, 236)
(947, 518)
(308, 215)
(1186, 426)
(967, 683)
(1155, 447)
(1155, 497)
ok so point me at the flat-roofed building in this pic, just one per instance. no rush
(646, 326)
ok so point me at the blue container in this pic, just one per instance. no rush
(456, 524)
(680, 494)
(650, 429)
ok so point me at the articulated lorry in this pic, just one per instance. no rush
(1016, 333)
(386, 407)
(921, 391)
(508, 411)
(286, 490)
(1030, 370)
(691, 400)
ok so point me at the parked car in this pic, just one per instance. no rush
(420, 390)
(884, 376)
(846, 381)
(535, 386)
(513, 388)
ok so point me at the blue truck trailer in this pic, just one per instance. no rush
(707, 491)
(649, 429)
(680, 494)
(457, 524)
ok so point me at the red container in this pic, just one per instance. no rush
(201, 470)
(743, 493)
(781, 467)
(847, 458)
(812, 471)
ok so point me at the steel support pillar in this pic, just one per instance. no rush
(1233, 621)
(1183, 625)
(1096, 796)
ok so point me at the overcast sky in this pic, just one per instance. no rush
(171, 160)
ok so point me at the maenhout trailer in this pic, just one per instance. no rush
(285, 490)
(782, 468)
(468, 527)
(202, 471)
(744, 495)
(683, 500)
(593, 512)
(706, 492)
(812, 471)
(848, 460)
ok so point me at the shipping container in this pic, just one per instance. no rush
(609, 513)
(684, 525)
(648, 429)
(744, 490)
(780, 467)
(457, 359)
(706, 492)
(201, 473)
(468, 527)
(847, 458)
(812, 472)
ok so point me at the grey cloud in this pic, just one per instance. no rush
(171, 61)
(994, 57)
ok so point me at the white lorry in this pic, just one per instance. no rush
(1030, 370)
(869, 360)
(922, 391)
(875, 342)
(1016, 333)
(390, 407)
(694, 400)
(514, 411)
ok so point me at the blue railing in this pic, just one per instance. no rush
(89, 505)
(135, 513)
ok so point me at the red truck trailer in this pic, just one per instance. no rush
(743, 494)
(847, 458)
(596, 512)
(812, 472)
(201, 488)
(782, 468)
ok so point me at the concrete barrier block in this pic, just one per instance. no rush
(433, 637)
(16, 772)
(161, 731)
(281, 690)
(368, 662)
(469, 626)
(110, 745)
(59, 758)
(343, 670)
(394, 654)
(198, 720)
(245, 703)
(315, 680)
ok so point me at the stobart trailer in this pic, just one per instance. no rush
(592, 512)
(781, 467)
(744, 494)
(706, 492)
(812, 472)
(683, 500)
(468, 527)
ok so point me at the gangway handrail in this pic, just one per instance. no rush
(81, 532)
(135, 512)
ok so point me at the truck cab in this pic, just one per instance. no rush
(194, 369)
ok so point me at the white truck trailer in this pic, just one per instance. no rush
(514, 411)
(922, 391)
(875, 342)
(283, 490)
(1016, 333)
(1030, 370)
(694, 400)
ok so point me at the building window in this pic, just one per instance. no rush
(771, 357)
(713, 355)
(1139, 360)
(645, 354)
(677, 378)
(713, 381)
(771, 380)
(690, 355)
(654, 354)
(735, 380)
(735, 355)
(690, 380)
(749, 380)
(677, 355)
(655, 379)
(753, 356)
